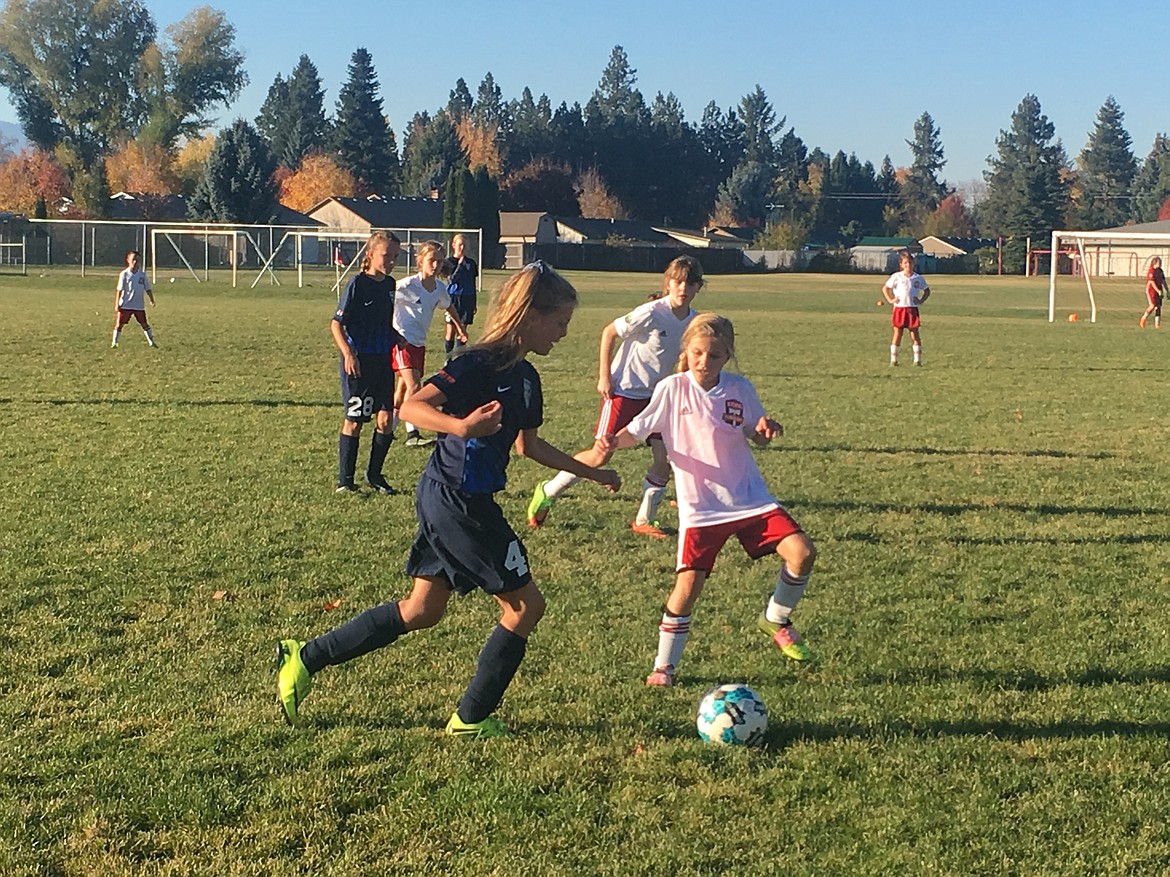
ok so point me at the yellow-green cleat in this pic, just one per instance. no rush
(785, 637)
(539, 506)
(293, 682)
(489, 727)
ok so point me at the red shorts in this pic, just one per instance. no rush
(617, 412)
(124, 315)
(905, 318)
(759, 535)
(407, 356)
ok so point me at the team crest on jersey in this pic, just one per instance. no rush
(733, 413)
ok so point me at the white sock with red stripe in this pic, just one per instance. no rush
(559, 483)
(789, 590)
(672, 638)
(652, 492)
(918, 353)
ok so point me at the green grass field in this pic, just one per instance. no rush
(989, 692)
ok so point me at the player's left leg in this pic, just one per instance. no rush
(675, 627)
(798, 553)
(498, 662)
(653, 490)
(895, 345)
(916, 338)
(379, 446)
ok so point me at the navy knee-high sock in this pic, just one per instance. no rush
(379, 445)
(498, 662)
(371, 630)
(347, 448)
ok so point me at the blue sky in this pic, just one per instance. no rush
(849, 75)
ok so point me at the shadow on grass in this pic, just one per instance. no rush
(957, 508)
(1119, 539)
(1022, 680)
(1053, 453)
(193, 403)
(784, 733)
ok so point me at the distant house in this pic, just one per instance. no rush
(716, 237)
(520, 232)
(628, 232)
(139, 206)
(945, 247)
(880, 254)
(1121, 258)
(367, 214)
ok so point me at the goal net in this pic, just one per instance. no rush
(1098, 273)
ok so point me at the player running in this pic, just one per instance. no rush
(650, 336)
(1155, 289)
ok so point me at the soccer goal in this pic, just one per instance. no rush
(1110, 264)
(14, 255)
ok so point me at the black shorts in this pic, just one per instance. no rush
(464, 538)
(370, 392)
(465, 307)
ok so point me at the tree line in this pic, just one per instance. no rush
(107, 103)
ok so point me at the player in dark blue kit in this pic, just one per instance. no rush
(363, 332)
(483, 404)
(460, 272)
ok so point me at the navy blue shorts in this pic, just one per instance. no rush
(465, 307)
(372, 391)
(464, 538)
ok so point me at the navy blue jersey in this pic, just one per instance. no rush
(461, 276)
(365, 313)
(479, 465)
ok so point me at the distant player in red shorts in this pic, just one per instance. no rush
(906, 290)
(130, 297)
(1155, 289)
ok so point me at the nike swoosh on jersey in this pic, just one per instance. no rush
(503, 389)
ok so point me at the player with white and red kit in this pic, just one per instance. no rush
(706, 417)
(906, 290)
(650, 338)
(1155, 289)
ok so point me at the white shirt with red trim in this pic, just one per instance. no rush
(651, 340)
(715, 473)
(414, 306)
(906, 290)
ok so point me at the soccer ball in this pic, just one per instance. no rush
(732, 715)
(172, 280)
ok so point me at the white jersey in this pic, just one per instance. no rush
(715, 474)
(132, 289)
(651, 340)
(414, 306)
(905, 290)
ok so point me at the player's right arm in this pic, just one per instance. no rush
(888, 294)
(348, 358)
(609, 339)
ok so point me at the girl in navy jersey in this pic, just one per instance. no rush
(482, 404)
(364, 336)
(706, 417)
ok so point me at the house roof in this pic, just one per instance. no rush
(602, 229)
(139, 205)
(288, 216)
(1162, 226)
(891, 242)
(381, 212)
(519, 224)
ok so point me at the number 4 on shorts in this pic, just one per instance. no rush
(515, 561)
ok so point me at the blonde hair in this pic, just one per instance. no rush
(707, 326)
(427, 247)
(535, 287)
(379, 237)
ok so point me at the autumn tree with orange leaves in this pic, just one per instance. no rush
(30, 175)
(318, 178)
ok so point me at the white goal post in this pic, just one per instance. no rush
(15, 253)
(1103, 254)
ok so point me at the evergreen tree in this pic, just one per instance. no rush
(308, 129)
(237, 181)
(615, 97)
(431, 150)
(272, 123)
(760, 127)
(1151, 185)
(460, 101)
(362, 138)
(531, 130)
(744, 195)
(722, 137)
(1107, 170)
(457, 197)
(922, 190)
(486, 215)
(1027, 186)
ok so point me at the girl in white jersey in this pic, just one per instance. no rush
(415, 301)
(906, 290)
(650, 338)
(706, 417)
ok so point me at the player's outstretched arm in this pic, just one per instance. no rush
(765, 430)
(529, 444)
